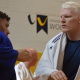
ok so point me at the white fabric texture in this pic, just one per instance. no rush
(22, 73)
(52, 58)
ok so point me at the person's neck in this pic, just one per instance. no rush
(27, 65)
(73, 36)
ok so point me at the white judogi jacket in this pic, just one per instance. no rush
(22, 73)
(52, 58)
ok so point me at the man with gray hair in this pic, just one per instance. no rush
(23, 68)
(61, 57)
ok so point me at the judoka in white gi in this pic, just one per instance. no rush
(61, 57)
(23, 68)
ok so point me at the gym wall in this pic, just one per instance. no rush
(33, 22)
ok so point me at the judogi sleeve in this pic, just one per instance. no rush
(8, 55)
(21, 72)
(44, 67)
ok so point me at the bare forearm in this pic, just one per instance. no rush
(23, 55)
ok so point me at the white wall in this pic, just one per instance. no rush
(23, 34)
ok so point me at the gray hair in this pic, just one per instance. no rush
(71, 4)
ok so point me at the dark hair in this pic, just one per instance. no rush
(4, 15)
